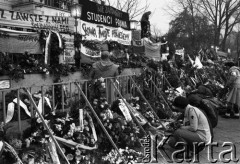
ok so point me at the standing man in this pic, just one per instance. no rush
(105, 69)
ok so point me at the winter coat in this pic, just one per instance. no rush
(104, 69)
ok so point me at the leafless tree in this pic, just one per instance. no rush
(135, 8)
(223, 14)
(190, 7)
(156, 32)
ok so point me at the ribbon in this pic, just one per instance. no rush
(190, 59)
(1, 147)
(47, 48)
(24, 106)
(53, 152)
(198, 63)
(10, 109)
(10, 112)
(81, 120)
(92, 127)
(59, 39)
(40, 107)
(48, 102)
(125, 111)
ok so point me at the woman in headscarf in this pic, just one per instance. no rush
(234, 96)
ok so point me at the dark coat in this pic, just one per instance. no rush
(104, 69)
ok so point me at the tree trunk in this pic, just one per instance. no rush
(216, 37)
(223, 43)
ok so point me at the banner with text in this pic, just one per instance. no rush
(92, 31)
(19, 41)
(100, 14)
(35, 21)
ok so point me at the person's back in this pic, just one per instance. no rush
(205, 90)
(202, 126)
(104, 68)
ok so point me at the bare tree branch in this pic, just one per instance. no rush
(133, 7)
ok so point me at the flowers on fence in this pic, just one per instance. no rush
(122, 132)
(76, 128)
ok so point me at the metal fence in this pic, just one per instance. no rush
(61, 95)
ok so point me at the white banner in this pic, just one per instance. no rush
(13, 41)
(35, 21)
(98, 32)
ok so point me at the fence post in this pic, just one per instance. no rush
(19, 112)
(53, 99)
(4, 108)
(43, 99)
(62, 100)
(31, 106)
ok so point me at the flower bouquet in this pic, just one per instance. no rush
(127, 156)
(77, 138)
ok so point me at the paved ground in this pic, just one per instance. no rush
(227, 130)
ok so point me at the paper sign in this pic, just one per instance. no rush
(5, 84)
